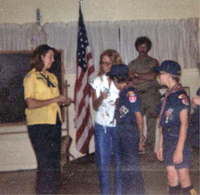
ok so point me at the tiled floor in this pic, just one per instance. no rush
(80, 177)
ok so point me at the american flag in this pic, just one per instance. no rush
(84, 70)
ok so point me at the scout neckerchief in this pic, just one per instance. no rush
(49, 83)
(177, 87)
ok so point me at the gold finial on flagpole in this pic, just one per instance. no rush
(80, 2)
(38, 16)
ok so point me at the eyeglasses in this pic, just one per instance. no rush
(106, 63)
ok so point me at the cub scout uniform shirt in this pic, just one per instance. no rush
(38, 87)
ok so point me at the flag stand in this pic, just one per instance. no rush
(67, 139)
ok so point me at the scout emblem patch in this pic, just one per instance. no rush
(184, 99)
(168, 114)
(131, 96)
(123, 111)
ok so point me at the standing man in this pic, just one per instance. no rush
(143, 76)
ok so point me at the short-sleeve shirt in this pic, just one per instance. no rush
(197, 109)
(175, 103)
(128, 104)
(36, 86)
(195, 118)
(105, 112)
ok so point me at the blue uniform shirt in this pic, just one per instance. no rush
(127, 104)
(197, 109)
(175, 103)
(170, 122)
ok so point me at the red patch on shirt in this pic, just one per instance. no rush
(131, 96)
(184, 99)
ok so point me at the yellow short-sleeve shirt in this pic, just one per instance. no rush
(35, 86)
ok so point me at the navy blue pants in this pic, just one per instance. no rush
(170, 141)
(46, 141)
(128, 139)
(105, 146)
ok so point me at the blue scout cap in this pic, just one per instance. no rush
(118, 70)
(170, 67)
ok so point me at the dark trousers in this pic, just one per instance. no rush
(194, 129)
(46, 141)
(132, 180)
(149, 104)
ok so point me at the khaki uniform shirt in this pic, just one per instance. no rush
(145, 66)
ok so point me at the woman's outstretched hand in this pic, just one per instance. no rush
(64, 101)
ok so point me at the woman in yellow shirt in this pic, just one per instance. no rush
(43, 117)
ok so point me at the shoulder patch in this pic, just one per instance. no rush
(182, 96)
(184, 99)
(131, 96)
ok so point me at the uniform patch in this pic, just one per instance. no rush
(184, 99)
(169, 115)
(131, 96)
(123, 111)
(182, 96)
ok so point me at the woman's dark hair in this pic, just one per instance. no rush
(36, 57)
(114, 57)
(142, 40)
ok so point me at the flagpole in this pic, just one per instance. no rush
(80, 2)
